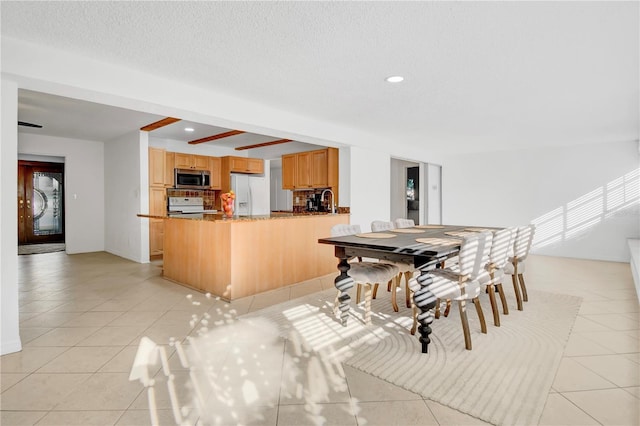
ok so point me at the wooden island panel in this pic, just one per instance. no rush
(234, 259)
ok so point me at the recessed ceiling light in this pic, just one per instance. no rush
(188, 129)
(395, 79)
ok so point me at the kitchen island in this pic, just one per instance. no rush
(247, 255)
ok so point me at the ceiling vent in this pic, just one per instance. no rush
(25, 124)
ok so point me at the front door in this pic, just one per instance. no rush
(40, 202)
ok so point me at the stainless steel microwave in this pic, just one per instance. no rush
(192, 179)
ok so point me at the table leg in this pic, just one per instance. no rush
(425, 300)
(343, 283)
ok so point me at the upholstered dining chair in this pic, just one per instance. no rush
(365, 274)
(498, 258)
(404, 223)
(406, 270)
(481, 275)
(459, 284)
(515, 265)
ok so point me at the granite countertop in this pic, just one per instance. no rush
(218, 217)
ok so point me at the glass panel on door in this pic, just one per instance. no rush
(47, 193)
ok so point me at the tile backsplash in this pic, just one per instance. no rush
(208, 196)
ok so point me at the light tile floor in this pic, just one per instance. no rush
(82, 316)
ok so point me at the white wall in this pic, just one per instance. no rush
(370, 186)
(433, 188)
(344, 172)
(83, 186)
(126, 195)
(584, 199)
(9, 332)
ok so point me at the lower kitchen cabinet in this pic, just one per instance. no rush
(157, 207)
(156, 237)
(239, 258)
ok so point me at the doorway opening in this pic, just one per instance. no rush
(406, 189)
(40, 204)
(416, 191)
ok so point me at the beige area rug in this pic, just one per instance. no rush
(504, 380)
(40, 248)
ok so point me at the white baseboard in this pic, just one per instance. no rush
(10, 347)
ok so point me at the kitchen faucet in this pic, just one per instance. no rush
(333, 199)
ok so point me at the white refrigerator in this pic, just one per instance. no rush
(252, 194)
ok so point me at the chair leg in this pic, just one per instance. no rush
(465, 324)
(367, 304)
(448, 308)
(394, 293)
(483, 323)
(414, 308)
(503, 299)
(516, 288)
(407, 291)
(389, 286)
(375, 290)
(358, 292)
(436, 315)
(525, 297)
(494, 305)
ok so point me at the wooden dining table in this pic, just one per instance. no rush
(424, 246)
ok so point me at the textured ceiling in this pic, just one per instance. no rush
(478, 75)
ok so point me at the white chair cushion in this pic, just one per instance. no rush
(508, 268)
(372, 272)
(444, 288)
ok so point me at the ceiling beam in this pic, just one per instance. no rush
(158, 124)
(218, 136)
(260, 145)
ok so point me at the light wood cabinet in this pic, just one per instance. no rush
(156, 237)
(156, 166)
(311, 169)
(245, 165)
(280, 251)
(157, 200)
(319, 170)
(191, 161)
(288, 171)
(157, 206)
(303, 170)
(215, 168)
(169, 166)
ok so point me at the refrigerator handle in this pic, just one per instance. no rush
(250, 201)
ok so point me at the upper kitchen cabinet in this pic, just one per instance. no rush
(191, 161)
(289, 171)
(311, 169)
(156, 167)
(169, 165)
(215, 168)
(244, 164)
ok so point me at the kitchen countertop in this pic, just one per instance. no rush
(218, 217)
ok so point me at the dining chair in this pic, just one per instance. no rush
(406, 270)
(459, 284)
(515, 265)
(481, 275)
(498, 258)
(404, 223)
(364, 274)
